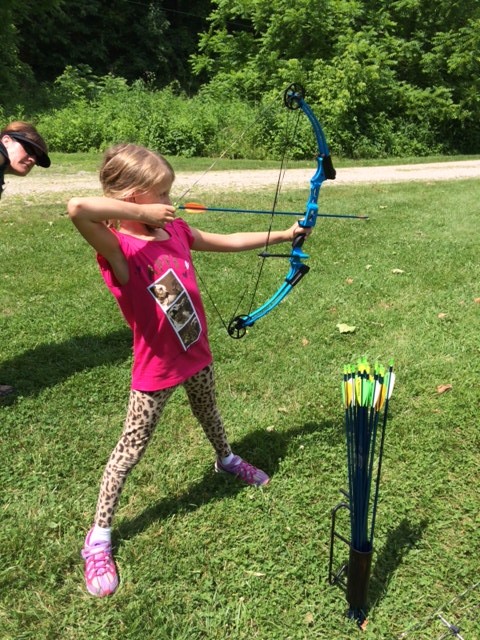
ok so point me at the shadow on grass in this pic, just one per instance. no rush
(399, 542)
(50, 364)
(262, 448)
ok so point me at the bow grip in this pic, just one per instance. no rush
(298, 241)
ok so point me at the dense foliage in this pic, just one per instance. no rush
(108, 110)
(148, 40)
(391, 78)
(402, 76)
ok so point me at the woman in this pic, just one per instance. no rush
(21, 148)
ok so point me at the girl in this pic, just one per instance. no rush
(146, 263)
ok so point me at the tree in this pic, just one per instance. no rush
(16, 78)
(151, 40)
(396, 77)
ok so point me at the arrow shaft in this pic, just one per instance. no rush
(260, 211)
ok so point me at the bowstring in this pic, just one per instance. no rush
(227, 149)
(280, 179)
(190, 188)
(289, 136)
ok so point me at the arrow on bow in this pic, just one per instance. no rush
(294, 100)
(196, 207)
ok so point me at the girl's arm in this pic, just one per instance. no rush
(243, 241)
(89, 215)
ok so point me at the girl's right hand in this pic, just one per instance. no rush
(157, 215)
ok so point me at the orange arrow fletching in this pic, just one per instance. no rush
(194, 207)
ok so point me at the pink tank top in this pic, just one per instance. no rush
(161, 303)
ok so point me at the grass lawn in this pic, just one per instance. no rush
(199, 556)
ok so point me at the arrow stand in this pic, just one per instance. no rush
(352, 576)
(365, 393)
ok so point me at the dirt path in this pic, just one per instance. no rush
(41, 181)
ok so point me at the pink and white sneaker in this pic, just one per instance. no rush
(243, 470)
(101, 576)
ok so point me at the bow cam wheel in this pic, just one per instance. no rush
(237, 328)
(293, 95)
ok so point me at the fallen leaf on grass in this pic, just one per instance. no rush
(398, 271)
(305, 342)
(476, 300)
(444, 387)
(364, 624)
(349, 280)
(309, 619)
(442, 316)
(345, 328)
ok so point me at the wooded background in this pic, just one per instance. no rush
(393, 78)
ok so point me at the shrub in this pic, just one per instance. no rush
(369, 116)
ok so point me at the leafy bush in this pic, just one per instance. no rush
(368, 116)
(105, 111)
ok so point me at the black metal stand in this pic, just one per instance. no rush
(353, 577)
(336, 577)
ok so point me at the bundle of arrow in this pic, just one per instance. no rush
(366, 391)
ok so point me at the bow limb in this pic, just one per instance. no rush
(294, 99)
(237, 327)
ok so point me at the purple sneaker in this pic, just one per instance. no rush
(100, 573)
(243, 470)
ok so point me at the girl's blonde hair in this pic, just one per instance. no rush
(128, 168)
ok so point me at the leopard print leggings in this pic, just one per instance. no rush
(144, 411)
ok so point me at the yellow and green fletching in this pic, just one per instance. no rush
(367, 386)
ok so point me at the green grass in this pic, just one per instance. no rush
(201, 557)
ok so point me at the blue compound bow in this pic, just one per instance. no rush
(293, 99)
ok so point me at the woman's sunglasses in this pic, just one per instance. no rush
(28, 148)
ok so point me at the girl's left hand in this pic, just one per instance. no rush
(296, 230)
